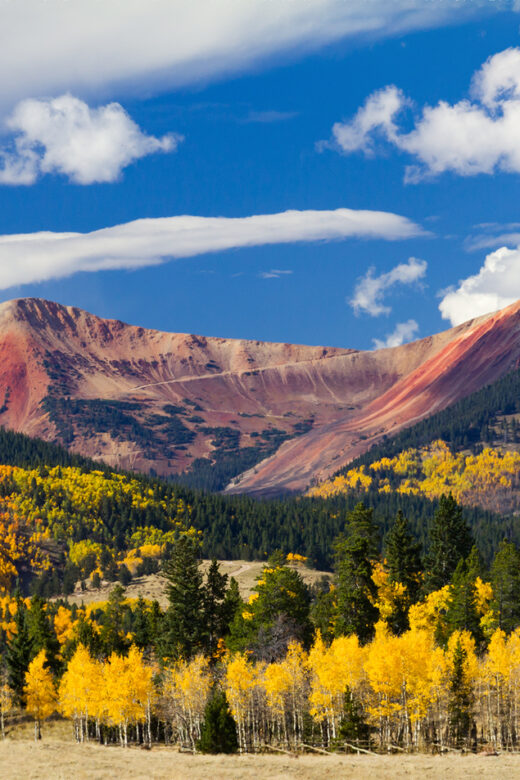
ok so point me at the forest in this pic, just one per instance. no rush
(403, 650)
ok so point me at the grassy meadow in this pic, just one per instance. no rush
(58, 757)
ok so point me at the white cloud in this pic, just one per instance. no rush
(497, 284)
(403, 332)
(67, 137)
(377, 114)
(467, 138)
(91, 47)
(370, 290)
(274, 273)
(36, 257)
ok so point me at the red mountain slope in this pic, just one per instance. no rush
(144, 399)
(473, 354)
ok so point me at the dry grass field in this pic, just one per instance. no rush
(58, 757)
(60, 760)
(152, 586)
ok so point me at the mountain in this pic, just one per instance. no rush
(146, 400)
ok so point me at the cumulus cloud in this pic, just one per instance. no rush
(497, 284)
(67, 137)
(370, 290)
(477, 135)
(36, 257)
(93, 47)
(403, 332)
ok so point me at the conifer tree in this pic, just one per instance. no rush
(113, 634)
(460, 701)
(505, 580)
(41, 632)
(142, 635)
(450, 540)
(403, 563)
(352, 726)
(214, 608)
(219, 731)
(356, 591)
(20, 651)
(183, 625)
(462, 613)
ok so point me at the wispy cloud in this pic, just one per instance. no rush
(269, 117)
(36, 257)
(91, 48)
(370, 290)
(275, 273)
(403, 332)
(477, 135)
(65, 136)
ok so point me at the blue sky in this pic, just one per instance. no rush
(243, 139)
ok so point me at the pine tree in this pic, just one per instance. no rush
(462, 613)
(42, 634)
(219, 731)
(356, 591)
(214, 610)
(460, 700)
(352, 727)
(113, 634)
(141, 625)
(450, 540)
(505, 580)
(20, 651)
(183, 625)
(403, 563)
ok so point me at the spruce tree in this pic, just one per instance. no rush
(183, 625)
(450, 540)
(352, 727)
(462, 611)
(505, 580)
(460, 701)
(42, 634)
(356, 590)
(214, 611)
(219, 731)
(403, 562)
(20, 651)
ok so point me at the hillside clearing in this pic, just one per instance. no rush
(152, 586)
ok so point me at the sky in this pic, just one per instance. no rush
(306, 171)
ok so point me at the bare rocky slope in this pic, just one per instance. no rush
(142, 399)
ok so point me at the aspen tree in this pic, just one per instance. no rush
(6, 702)
(39, 691)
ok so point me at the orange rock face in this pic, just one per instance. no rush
(51, 353)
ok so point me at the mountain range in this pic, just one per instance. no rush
(266, 418)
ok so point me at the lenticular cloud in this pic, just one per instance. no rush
(37, 257)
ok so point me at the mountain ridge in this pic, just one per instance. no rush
(145, 399)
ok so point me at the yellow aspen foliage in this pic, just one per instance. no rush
(63, 625)
(39, 692)
(332, 670)
(488, 478)
(81, 691)
(128, 684)
(428, 614)
(185, 693)
(242, 684)
(387, 592)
